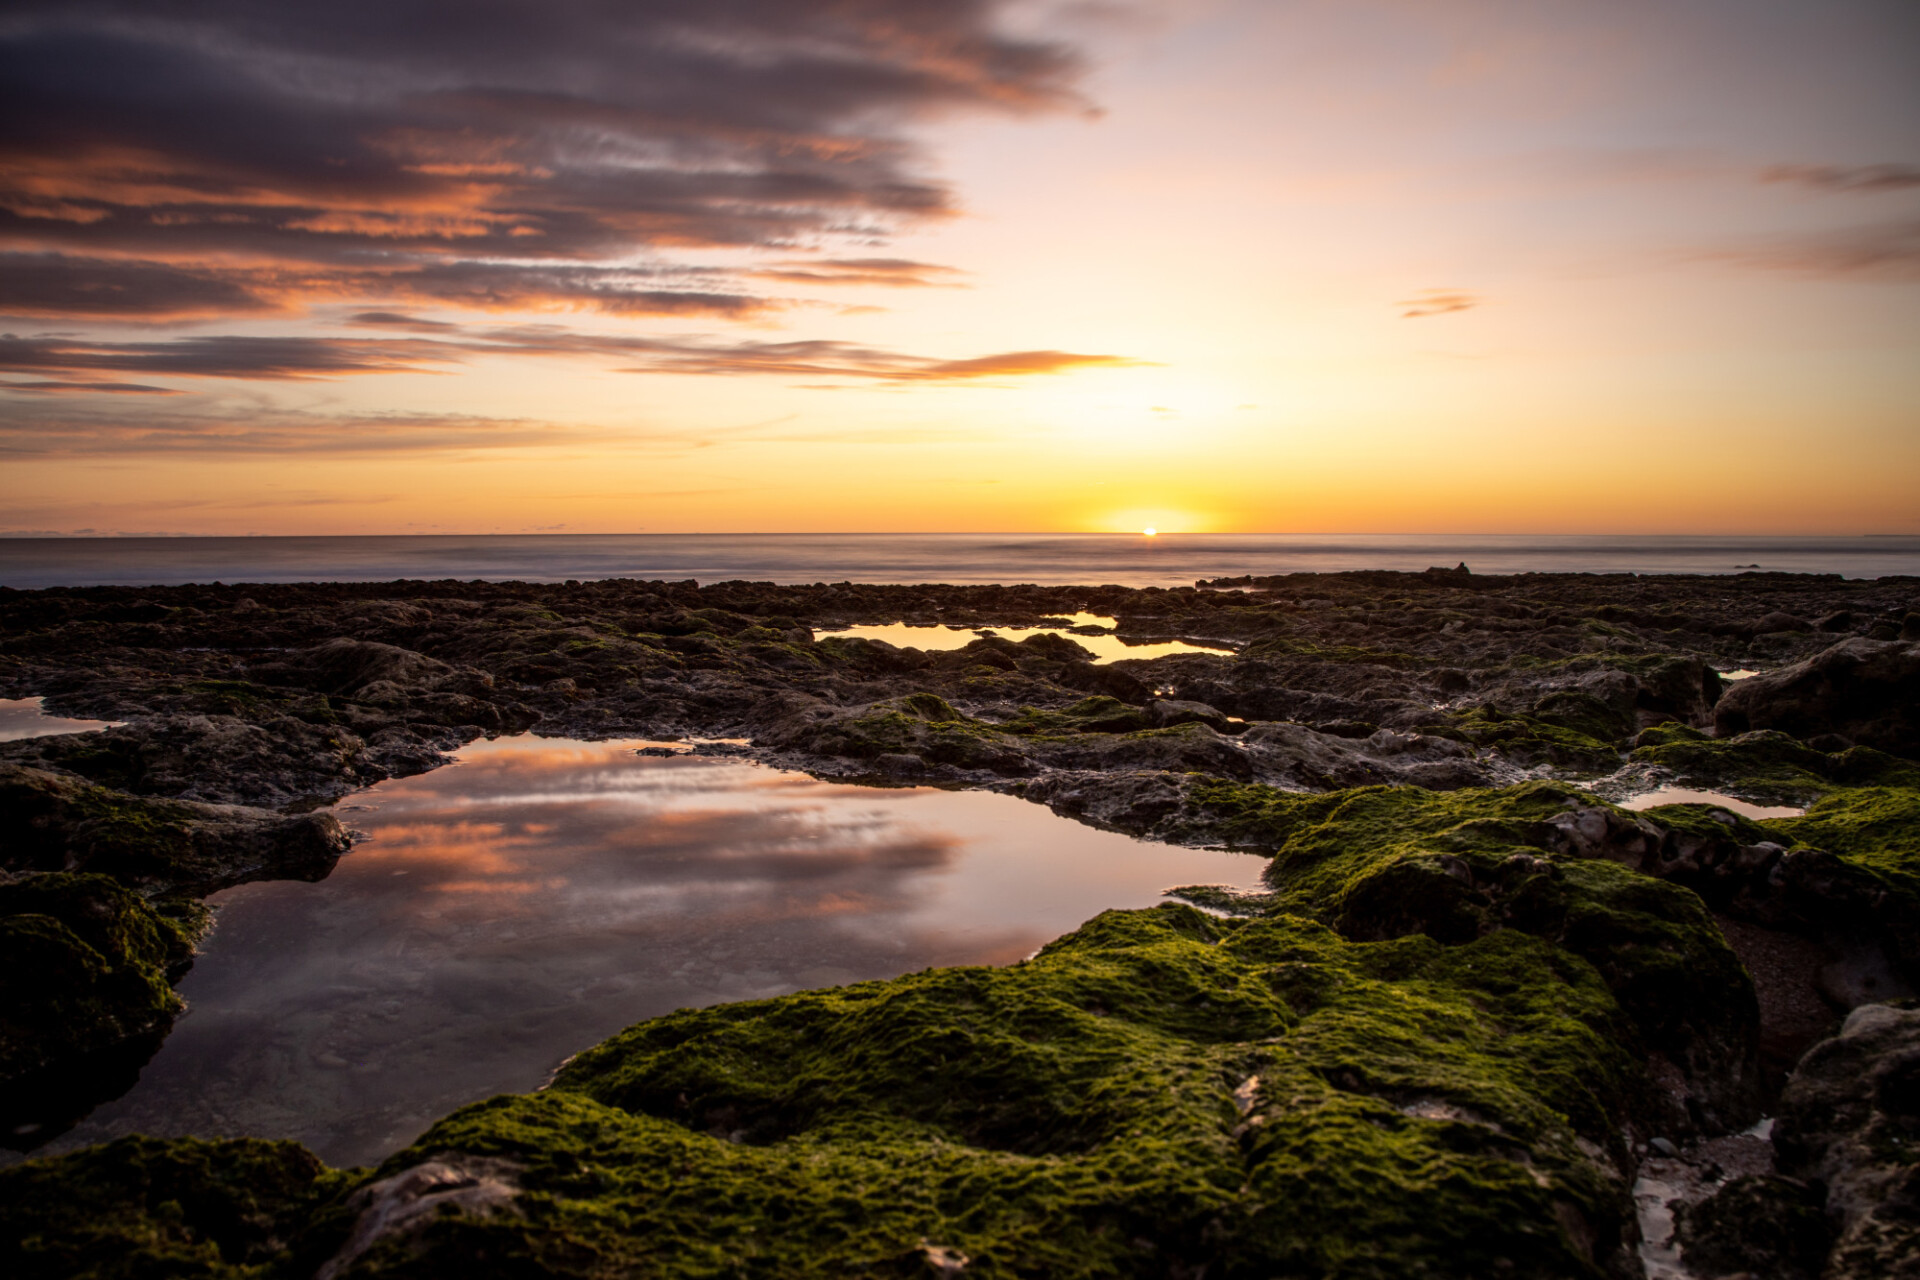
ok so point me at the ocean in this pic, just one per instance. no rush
(1043, 558)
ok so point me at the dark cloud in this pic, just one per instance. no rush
(105, 388)
(297, 358)
(1437, 302)
(1860, 178)
(212, 157)
(225, 356)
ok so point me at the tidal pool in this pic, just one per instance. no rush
(1687, 795)
(541, 894)
(1105, 648)
(26, 718)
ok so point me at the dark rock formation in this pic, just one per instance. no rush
(1850, 1118)
(1865, 691)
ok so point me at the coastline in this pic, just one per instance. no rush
(1430, 761)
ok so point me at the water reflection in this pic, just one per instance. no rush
(1719, 799)
(1105, 648)
(25, 718)
(539, 895)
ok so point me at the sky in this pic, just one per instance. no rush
(417, 266)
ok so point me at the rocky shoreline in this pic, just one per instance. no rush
(1483, 1020)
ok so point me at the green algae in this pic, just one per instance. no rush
(1537, 739)
(1385, 862)
(83, 967)
(1156, 1093)
(143, 1207)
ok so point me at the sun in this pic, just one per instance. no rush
(1150, 532)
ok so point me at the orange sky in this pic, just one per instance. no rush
(1235, 265)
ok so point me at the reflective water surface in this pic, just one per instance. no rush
(24, 718)
(1687, 795)
(1105, 648)
(539, 895)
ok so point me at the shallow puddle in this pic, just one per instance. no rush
(1105, 648)
(541, 894)
(24, 718)
(1686, 795)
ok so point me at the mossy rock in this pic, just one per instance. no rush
(145, 1208)
(1098, 714)
(1385, 862)
(1533, 740)
(83, 966)
(1157, 1093)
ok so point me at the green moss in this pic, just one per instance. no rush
(141, 1207)
(83, 966)
(1764, 764)
(1529, 739)
(1154, 1093)
(1877, 827)
(1384, 862)
(1099, 714)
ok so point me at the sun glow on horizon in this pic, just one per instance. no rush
(1150, 532)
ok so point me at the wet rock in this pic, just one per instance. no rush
(1850, 1119)
(67, 824)
(1865, 690)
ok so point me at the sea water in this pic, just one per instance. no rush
(1051, 558)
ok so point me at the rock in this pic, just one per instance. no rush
(1866, 690)
(1850, 1118)
(150, 1207)
(399, 1208)
(83, 967)
(1777, 621)
(1764, 1226)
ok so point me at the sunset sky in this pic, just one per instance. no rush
(413, 266)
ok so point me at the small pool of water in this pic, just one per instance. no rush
(541, 894)
(24, 718)
(1687, 795)
(1105, 648)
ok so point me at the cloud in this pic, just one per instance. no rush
(209, 157)
(1437, 302)
(891, 272)
(107, 388)
(1884, 251)
(1867, 178)
(440, 345)
(227, 429)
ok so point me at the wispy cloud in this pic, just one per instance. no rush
(891, 272)
(304, 358)
(1875, 251)
(1868, 178)
(1437, 302)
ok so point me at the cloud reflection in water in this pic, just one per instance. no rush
(539, 895)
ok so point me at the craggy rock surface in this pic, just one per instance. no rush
(1850, 1120)
(1476, 1001)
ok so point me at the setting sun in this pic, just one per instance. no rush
(1150, 532)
